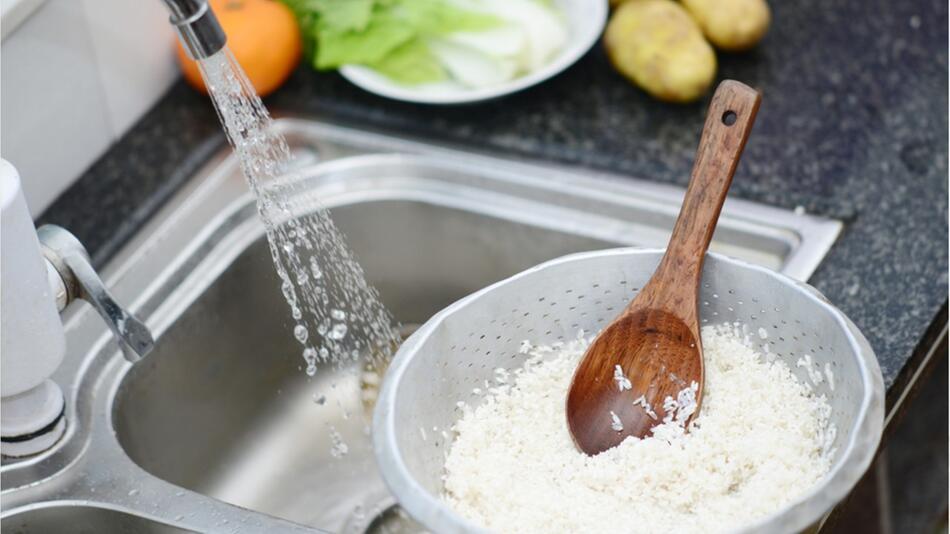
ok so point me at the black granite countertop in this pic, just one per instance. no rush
(853, 126)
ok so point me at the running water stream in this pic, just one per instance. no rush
(338, 316)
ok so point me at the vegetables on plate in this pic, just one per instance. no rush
(474, 43)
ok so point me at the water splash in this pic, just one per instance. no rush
(338, 315)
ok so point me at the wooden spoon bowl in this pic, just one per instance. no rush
(647, 365)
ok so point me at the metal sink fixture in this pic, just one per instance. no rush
(220, 430)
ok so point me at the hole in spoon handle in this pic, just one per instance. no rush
(729, 121)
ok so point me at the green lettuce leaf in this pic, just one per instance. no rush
(381, 36)
(411, 64)
(387, 35)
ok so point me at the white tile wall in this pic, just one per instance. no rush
(133, 42)
(73, 78)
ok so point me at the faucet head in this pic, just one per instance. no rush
(197, 27)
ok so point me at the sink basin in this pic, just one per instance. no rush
(223, 415)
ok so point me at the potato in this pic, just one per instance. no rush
(659, 47)
(731, 25)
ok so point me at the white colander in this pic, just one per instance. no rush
(459, 349)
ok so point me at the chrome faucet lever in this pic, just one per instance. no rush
(70, 261)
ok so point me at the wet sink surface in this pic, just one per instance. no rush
(223, 410)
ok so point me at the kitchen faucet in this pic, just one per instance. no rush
(43, 271)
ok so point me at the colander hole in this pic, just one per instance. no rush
(730, 308)
(568, 291)
(731, 292)
(481, 336)
(596, 285)
(715, 295)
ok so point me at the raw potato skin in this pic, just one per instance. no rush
(731, 25)
(659, 47)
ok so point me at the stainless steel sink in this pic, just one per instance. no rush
(220, 429)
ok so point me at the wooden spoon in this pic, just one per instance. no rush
(655, 340)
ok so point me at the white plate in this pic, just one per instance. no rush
(585, 22)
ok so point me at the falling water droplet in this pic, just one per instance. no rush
(315, 268)
(300, 332)
(338, 332)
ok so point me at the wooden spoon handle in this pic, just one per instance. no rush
(728, 124)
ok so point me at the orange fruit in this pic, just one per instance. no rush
(263, 36)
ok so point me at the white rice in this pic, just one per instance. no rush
(761, 440)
